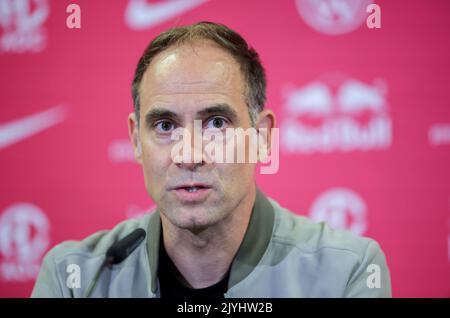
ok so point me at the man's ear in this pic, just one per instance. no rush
(133, 132)
(264, 124)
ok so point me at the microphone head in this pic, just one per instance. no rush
(124, 247)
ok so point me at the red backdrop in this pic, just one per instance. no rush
(364, 117)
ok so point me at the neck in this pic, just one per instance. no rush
(203, 258)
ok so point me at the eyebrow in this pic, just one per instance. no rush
(216, 109)
(219, 109)
(159, 113)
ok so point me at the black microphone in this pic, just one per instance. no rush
(117, 252)
(120, 250)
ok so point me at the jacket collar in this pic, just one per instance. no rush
(250, 252)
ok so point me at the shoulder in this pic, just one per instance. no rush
(320, 242)
(87, 254)
(336, 256)
(310, 237)
(98, 243)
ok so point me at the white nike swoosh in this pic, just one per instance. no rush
(141, 15)
(19, 129)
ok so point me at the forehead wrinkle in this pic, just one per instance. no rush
(181, 76)
(194, 89)
(179, 71)
(174, 61)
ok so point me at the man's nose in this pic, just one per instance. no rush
(192, 166)
(193, 157)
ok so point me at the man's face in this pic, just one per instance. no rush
(182, 84)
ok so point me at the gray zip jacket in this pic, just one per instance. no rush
(282, 255)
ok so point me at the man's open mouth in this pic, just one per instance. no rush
(193, 189)
(192, 192)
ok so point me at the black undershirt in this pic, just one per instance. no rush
(173, 285)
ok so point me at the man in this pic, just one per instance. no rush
(213, 234)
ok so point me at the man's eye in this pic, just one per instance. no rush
(217, 123)
(164, 126)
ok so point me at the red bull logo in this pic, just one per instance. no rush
(341, 208)
(333, 17)
(335, 114)
(24, 238)
(21, 25)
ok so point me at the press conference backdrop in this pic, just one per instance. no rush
(363, 112)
